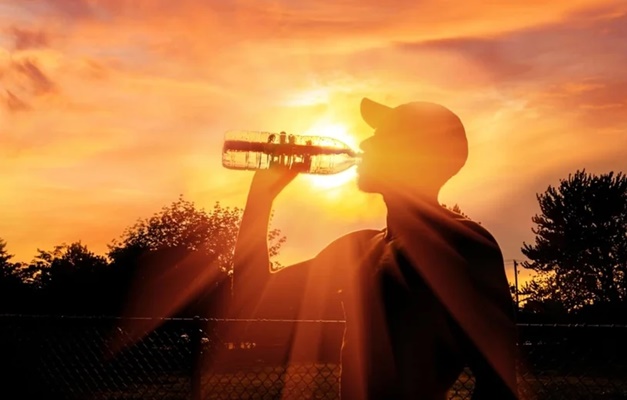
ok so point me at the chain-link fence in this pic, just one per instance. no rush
(99, 358)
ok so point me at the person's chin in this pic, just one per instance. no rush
(366, 184)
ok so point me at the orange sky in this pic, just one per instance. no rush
(112, 108)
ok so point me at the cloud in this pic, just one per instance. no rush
(69, 8)
(337, 25)
(598, 102)
(495, 57)
(546, 52)
(28, 39)
(574, 68)
(24, 82)
(39, 82)
(14, 103)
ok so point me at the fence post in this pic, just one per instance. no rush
(196, 350)
(516, 280)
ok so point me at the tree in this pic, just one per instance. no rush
(4, 254)
(70, 279)
(179, 261)
(65, 262)
(161, 260)
(12, 288)
(580, 249)
(182, 225)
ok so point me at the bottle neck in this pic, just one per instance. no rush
(356, 155)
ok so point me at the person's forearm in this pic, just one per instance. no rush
(251, 262)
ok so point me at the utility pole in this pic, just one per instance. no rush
(516, 283)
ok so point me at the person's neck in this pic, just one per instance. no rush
(421, 205)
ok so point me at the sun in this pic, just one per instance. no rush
(338, 131)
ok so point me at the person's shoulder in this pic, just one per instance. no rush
(361, 236)
(467, 226)
(473, 233)
(480, 232)
(355, 241)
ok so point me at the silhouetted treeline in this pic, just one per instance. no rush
(179, 242)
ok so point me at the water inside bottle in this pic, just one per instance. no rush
(309, 154)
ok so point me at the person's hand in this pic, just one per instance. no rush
(270, 182)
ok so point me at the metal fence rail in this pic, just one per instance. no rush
(81, 358)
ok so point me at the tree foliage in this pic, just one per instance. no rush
(181, 225)
(71, 279)
(4, 254)
(66, 265)
(580, 249)
(456, 209)
(11, 285)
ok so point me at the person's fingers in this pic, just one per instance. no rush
(273, 180)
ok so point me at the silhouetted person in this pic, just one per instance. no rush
(423, 297)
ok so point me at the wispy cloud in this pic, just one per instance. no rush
(28, 39)
(38, 81)
(14, 103)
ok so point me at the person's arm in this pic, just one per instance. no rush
(251, 261)
(304, 286)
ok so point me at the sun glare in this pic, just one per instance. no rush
(307, 98)
(337, 131)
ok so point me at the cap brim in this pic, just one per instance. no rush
(373, 113)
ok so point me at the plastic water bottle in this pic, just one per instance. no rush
(251, 150)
